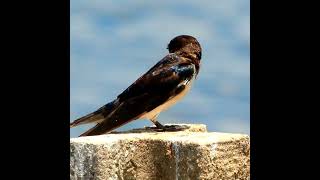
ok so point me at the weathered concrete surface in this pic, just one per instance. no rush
(161, 155)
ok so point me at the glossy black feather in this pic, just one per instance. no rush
(163, 78)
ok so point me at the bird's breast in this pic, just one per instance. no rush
(170, 102)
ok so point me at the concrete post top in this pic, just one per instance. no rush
(191, 135)
(143, 153)
(186, 137)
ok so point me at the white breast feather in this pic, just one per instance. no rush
(168, 103)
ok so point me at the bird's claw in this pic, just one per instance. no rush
(169, 128)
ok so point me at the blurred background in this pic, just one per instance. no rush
(114, 42)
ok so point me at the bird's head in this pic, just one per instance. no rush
(185, 44)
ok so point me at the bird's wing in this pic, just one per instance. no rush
(163, 81)
(162, 78)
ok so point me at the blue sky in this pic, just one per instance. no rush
(115, 42)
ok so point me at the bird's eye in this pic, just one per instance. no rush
(199, 55)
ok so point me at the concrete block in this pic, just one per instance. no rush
(190, 154)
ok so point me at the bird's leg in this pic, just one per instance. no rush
(171, 128)
(159, 125)
(156, 123)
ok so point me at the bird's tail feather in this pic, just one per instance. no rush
(96, 116)
(105, 126)
(114, 115)
(90, 118)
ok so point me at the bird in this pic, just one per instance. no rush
(159, 88)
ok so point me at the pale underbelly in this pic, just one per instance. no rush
(155, 112)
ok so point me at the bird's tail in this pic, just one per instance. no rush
(118, 117)
(108, 118)
(96, 116)
(90, 118)
(105, 127)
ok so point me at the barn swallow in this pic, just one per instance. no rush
(155, 91)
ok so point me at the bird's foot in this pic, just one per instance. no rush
(173, 128)
(167, 128)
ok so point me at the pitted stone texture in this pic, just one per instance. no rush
(161, 155)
